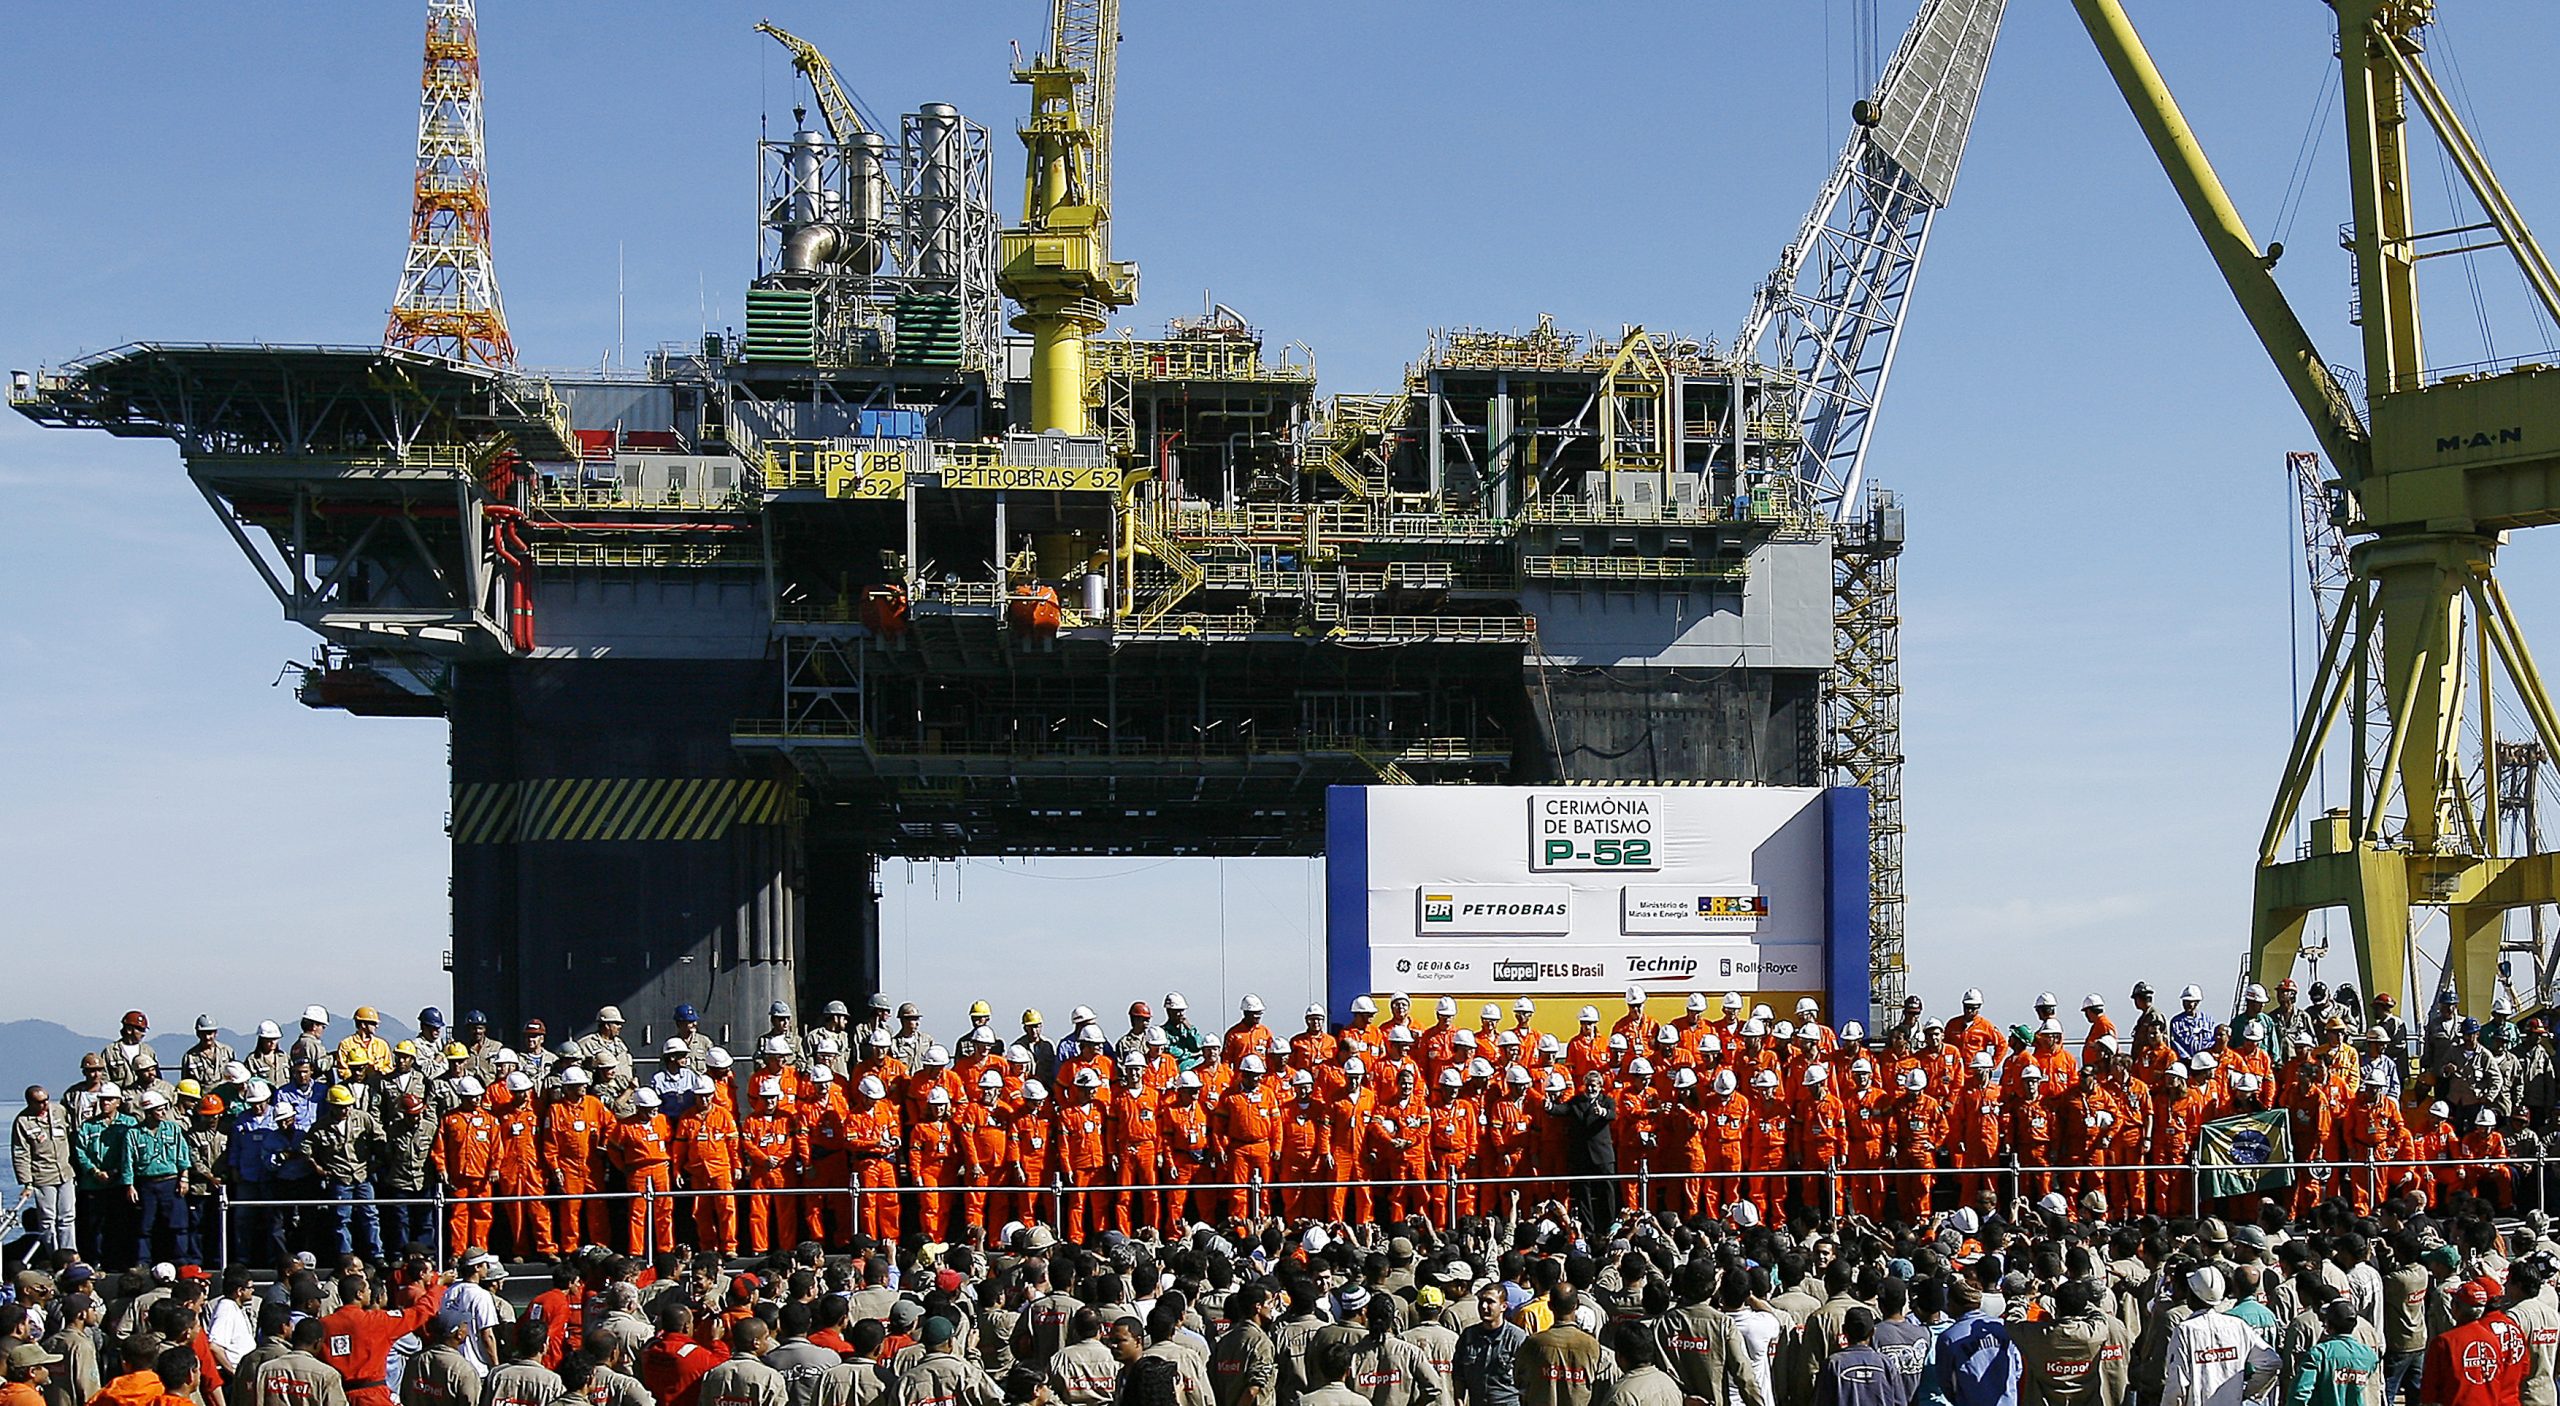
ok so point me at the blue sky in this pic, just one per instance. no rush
(2097, 650)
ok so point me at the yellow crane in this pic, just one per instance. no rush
(1057, 265)
(834, 104)
(2434, 470)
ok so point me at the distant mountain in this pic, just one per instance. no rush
(41, 1052)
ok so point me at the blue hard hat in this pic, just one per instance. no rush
(781, 1008)
(2470, 1025)
(431, 1016)
(687, 1012)
(474, 1018)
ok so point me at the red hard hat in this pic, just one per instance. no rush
(137, 1018)
(1141, 1010)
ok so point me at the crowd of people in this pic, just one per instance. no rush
(1727, 1109)
(1396, 1209)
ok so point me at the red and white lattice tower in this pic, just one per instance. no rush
(448, 300)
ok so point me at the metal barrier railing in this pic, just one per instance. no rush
(1645, 1182)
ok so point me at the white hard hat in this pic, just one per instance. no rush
(1463, 1040)
(1089, 1032)
(822, 1043)
(1080, 1015)
(871, 1087)
(1253, 1005)
(1401, 1035)
(519, 1082)
(1852, 1031)
(2093, 1002)
(1640, 1068)
(1508, 1039)
(1784, 1030)
(1399, 998)
(1915, 1079)
(1982, 1059)
(1760, 1012)
(935, 1056)
(256, 1091)
(2032, 1072)
(2109, 1044)
(878, 1039)
(1755, 1026)
(1733, 1000)
(1635, 995)
(506, 1056)
(1352, 1068)
(267, 1030)
(1450, 1078)
(153, 1098)
(768, 1088)
(1302, 1080)
(937, 1095)
(1816, 1074)
(1684, 1078)
(1489, 1011)
(821, 1074)
(1806, 1005)
(991, 1079)
(2204, 1059)
(1034, 1090)
(1362, 1005)
(1861, 1066)
(1250, 1064)
(676, 1046)
(776, 1045)
(1697, 1002)
(1765, 1079)
(1973, 996)
(1017, 1054)
(1555, 1082)
(575, 1077)
(1173, 1001)
(1156, 1038)
(466, 1086)
(2048, 1026)
(1549, 1045)
(2191, 992)
(1588, 1015)
(318, 1013)
(1315, 1011)
(1723, 1082)
(1618, 1041)
(2255, 992)
(1516, 1075)
(644, 1098)
(1524, 1006)
(1186, 1080)
(2046, 1000)
(1665, 1035)
(1446, 1005)
(1710, 1045)
(719, 1058)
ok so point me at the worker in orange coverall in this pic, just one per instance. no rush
(638, 1148)
(520, 1166)
(2312, 1106)
(466, 1161)
(1977, 1128)
(1081, 1118)
(1300, 1151)
(1245, 1126)
(872, 1136)
(1822, 1140)
(1680, 1138)
(2084, 1128)
(574, 1128)
(1399, 1145)
(2178, 1113)
(1182, 1116)
(1920, 1129)
(1032, 1138)
(709, 1150)
(2483, 1154)
(1765, 1144)
(772, 1147)
(1452, 1138)
(932, 1148)
(1346, 1126)
(1135, 1149)
(985, 1152)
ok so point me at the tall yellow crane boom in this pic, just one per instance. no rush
(1057, 263)
(2432, 476)
(834, 104)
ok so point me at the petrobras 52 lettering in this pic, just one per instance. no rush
(1443, 889)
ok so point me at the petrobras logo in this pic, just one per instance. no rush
(1494, 910)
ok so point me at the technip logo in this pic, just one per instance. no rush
(1439, 908)
(1662, 966)
(1515, 971)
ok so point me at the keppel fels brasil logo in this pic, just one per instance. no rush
(1515, 971)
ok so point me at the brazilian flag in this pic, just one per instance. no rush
(2236, 1151)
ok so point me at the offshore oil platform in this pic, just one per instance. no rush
(926, 561)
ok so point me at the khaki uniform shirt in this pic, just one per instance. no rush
(298, 1379)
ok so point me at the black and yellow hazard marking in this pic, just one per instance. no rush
(612, 808)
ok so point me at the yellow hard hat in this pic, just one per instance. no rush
(341, 1095)
(1031, 1017)
(981, 1008)
(189, 1088)
(456, 1051)
(406, 1047)
(368, 1013)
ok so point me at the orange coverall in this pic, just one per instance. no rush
(466, 1159)
(872, 1136)
(932, 1146)
(1399, 1143)
(771, 1145)
(708, 1150)
(1245, 1126)
(1453, 1150)
(985, 1158)
(638, 1147)
(1080, 1159)
(1346, 1118)
(1137, 1145)
(1920, 1128)
(1303, 1140)
(573, 1131)
(520, 1174)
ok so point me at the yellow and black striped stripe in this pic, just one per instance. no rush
(612, 808)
